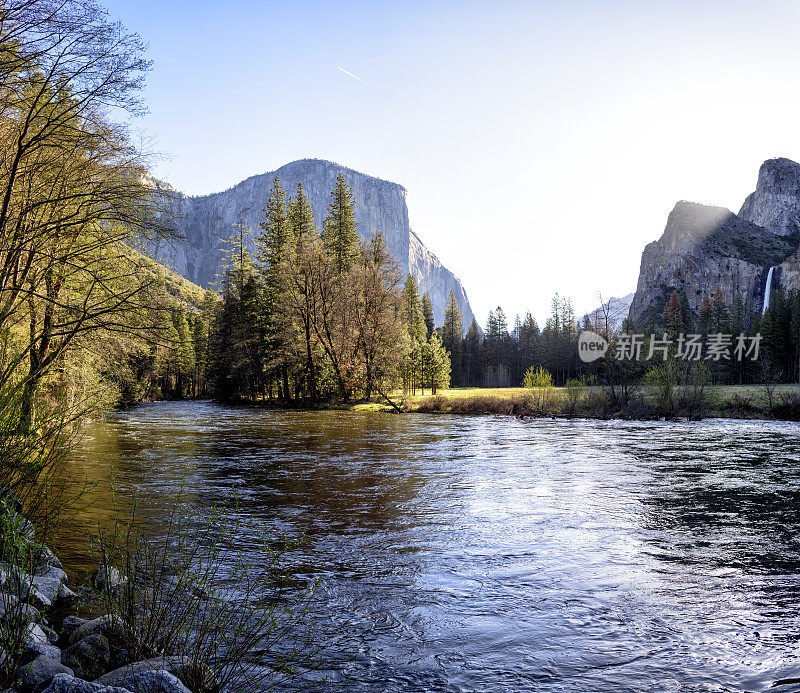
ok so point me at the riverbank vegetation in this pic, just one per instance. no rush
(721, 401)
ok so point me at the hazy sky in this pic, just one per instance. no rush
(542, 144)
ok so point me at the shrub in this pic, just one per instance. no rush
(540, 382)
(574, 389)
(739, 406)
(198, 592)
(20, 554)
(787, 407)
(537, 378)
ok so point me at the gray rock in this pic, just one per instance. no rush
(71, 623)
(35, 649)
(48, 558)
(10, 608)
(38, 598)
(65, 592)
(199, 677)
(775, 204)
(88, 658)
(107, 578)
(36, 634)
(52, 636)
(380, 206)
(64, 683)
(708, 248)
(149, 681)
(39, 673)
(703, 250)
(109, 626)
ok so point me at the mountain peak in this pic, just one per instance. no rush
(775, 204)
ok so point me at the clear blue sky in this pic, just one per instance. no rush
(542, 144)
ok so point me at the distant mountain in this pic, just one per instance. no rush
(615, 310)
(380, 206)
(705, 249)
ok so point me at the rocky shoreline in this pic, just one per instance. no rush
(61, 653)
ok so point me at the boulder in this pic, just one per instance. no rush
(47, 557)
(149, 681)
(64, 683)
(199, 677)
(48, 583)
(36, 634)
(10, 608)
(88, 658)
(107, 578)
(34, 649)
(70, 624)
(52, 636)
(109, 626)
(39, 673)
(65, 592)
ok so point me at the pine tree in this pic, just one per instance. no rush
(452, 336)
(411, 310)
(472, 356)
(302, 259)
(271, 261)
(339, 231)
(427, 314)
(438, 364)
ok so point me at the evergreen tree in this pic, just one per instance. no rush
(438, 364)
(302, 260)
(271, 261)
(339, 233)
(427, 314)
(452, 336)
(472, 356)
(411, 310)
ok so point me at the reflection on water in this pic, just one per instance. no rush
(490, 554)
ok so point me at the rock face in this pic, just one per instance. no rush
(775, 204)
(380, 206)
(613, 311)
(704, 249)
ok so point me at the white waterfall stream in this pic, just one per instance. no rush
(767, 290)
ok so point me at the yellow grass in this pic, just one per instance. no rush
(502, 400)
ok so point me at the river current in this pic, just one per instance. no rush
(492, 554)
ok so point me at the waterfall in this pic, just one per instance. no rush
(767, 291)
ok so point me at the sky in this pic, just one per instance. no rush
(542, 144)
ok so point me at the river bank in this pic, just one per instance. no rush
(747, 402)
(47, 647)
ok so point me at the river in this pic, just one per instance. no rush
(493, 554)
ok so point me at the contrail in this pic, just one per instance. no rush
(347, 72)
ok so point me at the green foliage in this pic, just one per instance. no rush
(339, 233)
(427, 314)
(537, 378)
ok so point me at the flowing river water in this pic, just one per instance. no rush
(492, 554)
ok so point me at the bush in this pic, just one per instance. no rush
(739, 406)
(540, 382)
(195, 591)
(20, 555)
(787, 407)
(574, 389)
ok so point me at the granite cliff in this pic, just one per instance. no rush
(380, 206)
(704, 249)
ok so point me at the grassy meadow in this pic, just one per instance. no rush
(734, 401)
